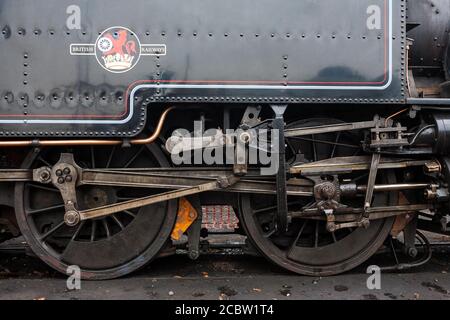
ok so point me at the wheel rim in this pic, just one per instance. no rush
(103, 248)
(307, 247)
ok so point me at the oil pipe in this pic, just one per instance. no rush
(89, 142)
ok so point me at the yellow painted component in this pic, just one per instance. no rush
(185, 217)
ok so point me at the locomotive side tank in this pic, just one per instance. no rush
(71, 83)
(322, 128)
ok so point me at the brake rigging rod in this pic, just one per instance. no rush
(282, 207)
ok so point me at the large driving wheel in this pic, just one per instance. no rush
(307, 247)
(103, 248)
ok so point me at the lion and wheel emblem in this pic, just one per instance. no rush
(118, 49)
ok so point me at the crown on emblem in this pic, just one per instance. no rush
(118, 62)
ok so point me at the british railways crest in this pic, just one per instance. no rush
(118, 49)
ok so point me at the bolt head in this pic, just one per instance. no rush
(71, 218)
(59, 173)
(328, 190)
(66, 171)
(412, 252)
(45, 175)
(194, 255)
(331, 227)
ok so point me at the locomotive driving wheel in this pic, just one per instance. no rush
(103, 248)
(308, 247)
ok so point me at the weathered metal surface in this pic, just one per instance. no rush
(330, 128)
(350, 164)
(179, 179)
(141, 202)
(431, 34)
(133, 238)
(88, 142)
(61, 80)
(373, 171)
(352, 214)
(15, 175)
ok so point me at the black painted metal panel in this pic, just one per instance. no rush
(447, 59)
(100, 79)
(431, 34)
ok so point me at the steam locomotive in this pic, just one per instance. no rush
(323, 125)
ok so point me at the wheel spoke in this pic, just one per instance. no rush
(43, 188)
(338, 136)
(77, 232)
(333, 235)
(335, 144)
(93, 230)
(265, 209)
(110, 156)
(273, 208)
(134, 157)
(302, 228)
(92, 157)
(51, 231)
(116, 220)
(46, 209)
(314, 147)
(269, 233)
(316, 235)
(44, 161)
(105, 226)
(130, 213)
